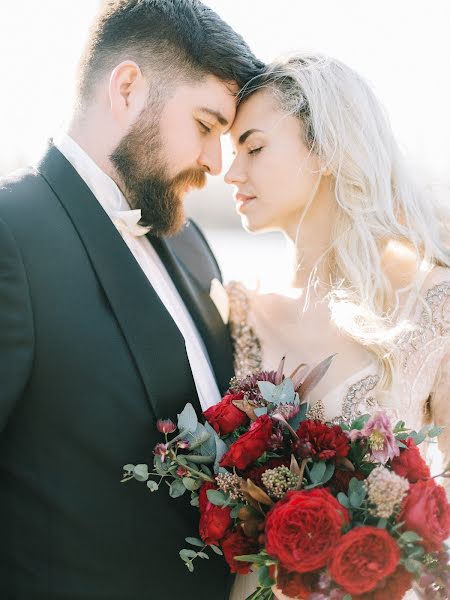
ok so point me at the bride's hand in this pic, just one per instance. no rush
(279, 594)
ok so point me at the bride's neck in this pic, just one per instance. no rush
(309, 243)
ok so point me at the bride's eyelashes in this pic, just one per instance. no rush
(254, 151)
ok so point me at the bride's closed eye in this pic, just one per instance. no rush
(254, 151)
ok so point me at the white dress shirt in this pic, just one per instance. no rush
(117, 208)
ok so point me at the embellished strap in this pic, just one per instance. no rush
(432, 327)
(246, 344)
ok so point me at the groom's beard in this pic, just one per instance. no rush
(143, 172)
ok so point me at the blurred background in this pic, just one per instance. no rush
(401, 47)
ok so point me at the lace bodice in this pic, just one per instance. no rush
(423, 357)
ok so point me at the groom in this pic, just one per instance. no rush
(106, 324)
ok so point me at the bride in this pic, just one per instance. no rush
(315, 158)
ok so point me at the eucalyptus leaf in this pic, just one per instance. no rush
(221, 449)
(382, 523)
(356, 499)
(267, 390)
(195, 501)
(128, 468)
(216, 549)
(412, 565)
(217, 497)
(251, 558)
(187, 419)
(190, 566)
(343, 500)
(317, 471)
(194, 541)
(284, 393)
(409, 537)
(418, 438)
(435, 431)
(198, 437)
(209, 446)
(329, 472)
(187, 554)
(299, 417)
(176, 488)
(202, 555)
(191, 484)
(141, 472)
(152, 485)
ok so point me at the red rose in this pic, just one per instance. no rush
(302, 529)
(320, 441)
(410, 463)
(426, 511)
(296, 585)
(363, 557)
(214, 520)
(250, 445)
(236, 543)
(225, 417)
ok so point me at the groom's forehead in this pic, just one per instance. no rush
(215, 98)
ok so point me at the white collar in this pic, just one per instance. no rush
(101, 185)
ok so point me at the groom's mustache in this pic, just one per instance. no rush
(189, 178)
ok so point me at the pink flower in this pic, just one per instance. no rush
(182, 471)
(165, 426)
(161, 450)
(381, 439)
(183, 444)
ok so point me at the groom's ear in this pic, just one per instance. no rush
(128, 92)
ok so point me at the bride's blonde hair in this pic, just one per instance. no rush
(377, 200)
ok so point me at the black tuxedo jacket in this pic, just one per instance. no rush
(89, 359)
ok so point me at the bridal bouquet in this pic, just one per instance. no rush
(323, 511)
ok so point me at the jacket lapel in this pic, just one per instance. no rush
(202, 309)
(154, 340)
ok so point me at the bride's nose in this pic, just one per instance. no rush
(235, 174)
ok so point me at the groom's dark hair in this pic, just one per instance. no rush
(178, 39)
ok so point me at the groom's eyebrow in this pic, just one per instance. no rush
(246, 134)
(214, 113)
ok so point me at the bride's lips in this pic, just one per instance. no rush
(243, 200)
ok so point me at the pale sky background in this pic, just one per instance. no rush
(401, 46)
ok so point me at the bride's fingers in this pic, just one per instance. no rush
(279, 594)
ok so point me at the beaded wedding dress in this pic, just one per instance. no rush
(424, 382)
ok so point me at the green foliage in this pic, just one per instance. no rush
(278, 394)
(187, 419)
(217, 497)
(140, 472)
(319, 474)
(216, 549)
(176, 488)
(360, 422)
(264, 578)
(152, 485)
(195, 542)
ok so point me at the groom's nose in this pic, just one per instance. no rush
(211, 158)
